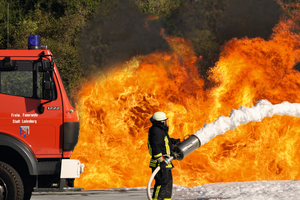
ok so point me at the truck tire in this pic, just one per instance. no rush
(11, 185)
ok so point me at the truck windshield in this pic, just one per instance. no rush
(26, 81)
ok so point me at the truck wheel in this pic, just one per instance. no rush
(11, 185)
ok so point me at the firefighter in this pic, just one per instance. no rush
(160, 146)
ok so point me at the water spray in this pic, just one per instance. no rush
(243, 115)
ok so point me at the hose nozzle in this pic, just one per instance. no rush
(186, 147)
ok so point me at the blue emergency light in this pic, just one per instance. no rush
(34, 42)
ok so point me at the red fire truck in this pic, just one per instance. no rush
(38, 126)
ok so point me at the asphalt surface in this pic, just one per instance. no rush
(124, 194)
(109, 194)
(91, 195)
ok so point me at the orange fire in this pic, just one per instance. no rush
(115, 110)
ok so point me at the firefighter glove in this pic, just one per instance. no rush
(163, 164)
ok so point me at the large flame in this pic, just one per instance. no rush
(115, 110)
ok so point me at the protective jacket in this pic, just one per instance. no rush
(160, 144)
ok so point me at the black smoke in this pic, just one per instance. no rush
(209, 24)
(118, 33)
(249, 18)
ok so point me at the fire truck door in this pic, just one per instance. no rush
(21, 93)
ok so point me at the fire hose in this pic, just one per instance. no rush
(182, 150)
(150, 181)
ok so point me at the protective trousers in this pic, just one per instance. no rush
(163, 184)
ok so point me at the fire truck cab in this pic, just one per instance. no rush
(38, 126)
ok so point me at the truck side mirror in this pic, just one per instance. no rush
(48, 89)
(47, 65)
(48, 86)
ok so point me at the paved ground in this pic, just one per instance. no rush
(92, 195)
(110, 194)
(78, 193)
(248, 190)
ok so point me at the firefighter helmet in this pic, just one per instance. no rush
(159, 116)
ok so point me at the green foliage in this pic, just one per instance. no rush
(158, 7)
(291, 8)
(205, 45)
(59, 23)
(198, 22)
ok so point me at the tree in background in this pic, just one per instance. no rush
(198, 22)
(59, 23)
(291, 8)
(87, 36)
(209, 24)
